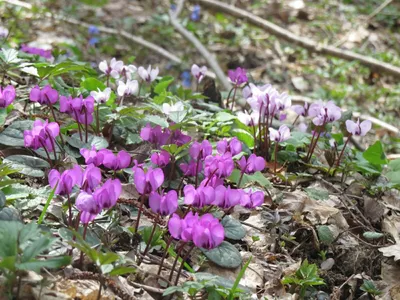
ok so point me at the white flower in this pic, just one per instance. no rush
(114, 69)
(198, 72)
(3, 32)
(148, 75)
(128, 88)
(101, 96)
(283, 101)
(248, 119)
(129, 70)
(175, 108)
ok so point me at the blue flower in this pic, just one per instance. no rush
(173, 7)
(93, 30)
(93, 41)
(186, 79)
(195, 15)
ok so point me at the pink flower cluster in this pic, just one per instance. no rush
(107, 158)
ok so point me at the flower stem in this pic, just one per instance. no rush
(101, 285)
(149, 241)
(79, 127)
(165, 254)
(197, 169)
(70, 211)
(315, 145)
(276, 156)
(178, 253)
(182, 264)
(342, 152)
(86, 126)
(98, 119)
(233, 98)
(240, 179)
(84, 237)
(55, 120)
(142, 197)
(229, 95)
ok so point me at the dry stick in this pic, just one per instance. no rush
(165, 254)
(182, 264)
(303, 42)
(379, 9)
(149, 241)
(212, 62)
(178, 253)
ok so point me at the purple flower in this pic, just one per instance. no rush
(91, 178)
(251, 199)
(160, 159)
(108, 194)
(43, 134)
(165, 204)
(324, 112)
(182, 228)
(155, 135)
(149, 74)
(185, 77)
(92, 30)
(212, 182)
(36, 51)
(208, 232)
(280, 135)
(357, 128)
(199, 197)
(7, 96)
(113, 69)
(81, 109)
(253, 164)
(238, 76)
(249, 119)
(46, 95)
(179, 138)
(66, 181)
(219, 165)
(227, 197)
(92, 156)
(115, 162)
(200, 151)
(195, 15)
(234, 146)
(190, 169)
(301, 110)
(88, 206)
(149, 181)
(198, 72)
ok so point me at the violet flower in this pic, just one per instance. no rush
(161, 159)
(178, 138)
(200, 150)
(219, 165)
(238, 76)
(300, 109)
(149, 181)
(250, 199)
(199, 197)
(108, 194)
(249, 119)
(43, 134)
(208, 232)
(116, 162)
(253, 164)
(155, 135)
(88, 207)
(113, 69)
(66, 181)
(46, 95)
(92, 156)
(234, 146)
(324, 112)
(280, 135)
(91, 178)
(227, 197)
(7, 96)
(181, 229)
(213, 182)
(81, 109)
(191, 169)
(148, 75)
(357, 128)
(37, 51)
(198, 72)
(165, 204)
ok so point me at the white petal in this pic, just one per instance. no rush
(103, 66)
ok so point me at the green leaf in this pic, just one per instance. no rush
(9, 237)
(97, 141)
(121, 270)
(156, 120)
(27, 165)
(108, 258)
(46, 206)
(49, 263)
(372, 235)
(9, 56)
(240, 275)
(223, 116)
(298, 139)
(257, 178)
(3, 116)
(325, 235)
(13, 135)
(133, 138)
(163, 84)
(225, 255)
(36, 247)
(172, 290)
(9, 214)
(317, 194)
(2, 199)
(234, 230)
(375, 154)
(93, 84)
(243, 136)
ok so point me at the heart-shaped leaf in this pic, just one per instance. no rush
(225, 255)
(27, 165)
(13, 135)
(233, 228)
(97, 141)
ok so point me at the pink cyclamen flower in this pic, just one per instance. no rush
(155, 135)
(43, 134)
(253, 164)
(199, 197)
(113, 69)
(357, 128)
(219, 165)
(249, 119)
(67, 180)
(92, 156)
(234, 146)
(148, 75)
(181, 229)
(198, 72)
(200, 150)
(79, 108)
(324, 112)
(238, 76)
(36, 51)
(116, 162)
(165, 204)
(46, 95)
(7, 96)
(208, 232)
(301, 110)
(149, 181)
(227, 197)
(250, 199)
(213, 182)
(108, 194)
(280, 135)
(91, 178)
(161, 158)
(88, 206)
(191, 168)
(179, 138)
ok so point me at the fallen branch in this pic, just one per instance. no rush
(379, 9)
(212, 62)
(303, 42)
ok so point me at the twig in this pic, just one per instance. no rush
(303, 42)
(212, 62)
(379, 9)
(147, 288)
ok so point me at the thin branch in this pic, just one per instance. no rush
(303, 42)
(379, 9)
(212, 62)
